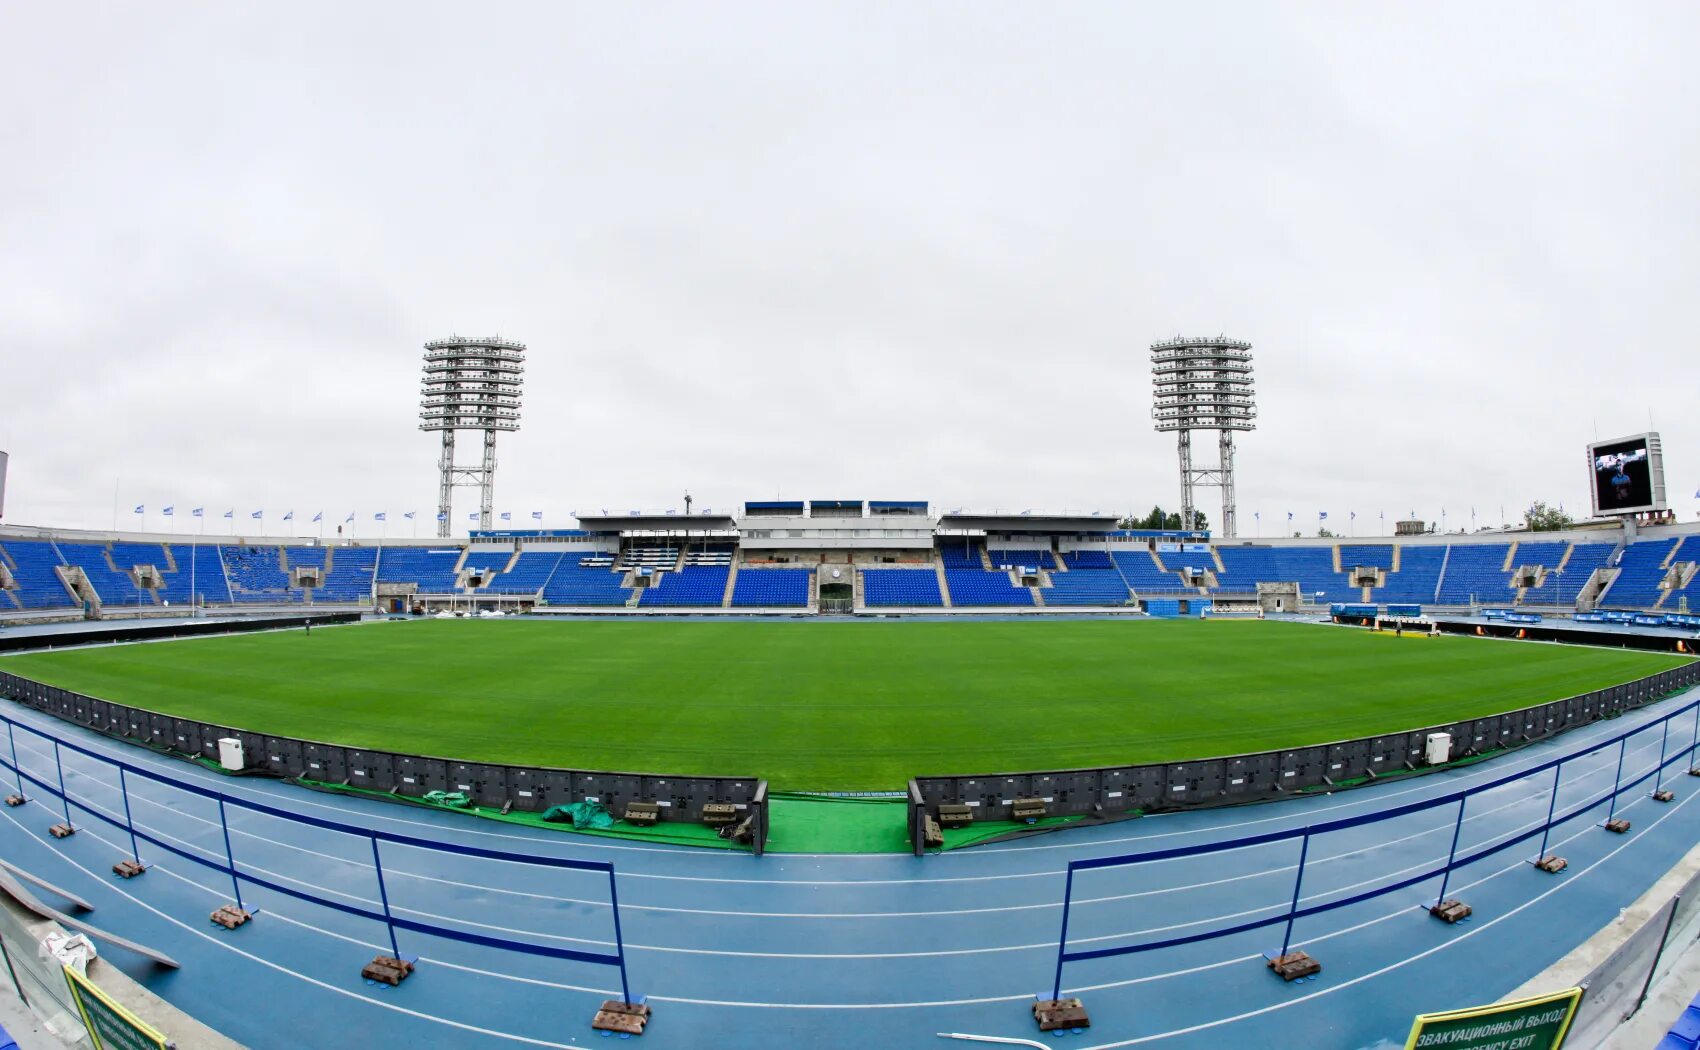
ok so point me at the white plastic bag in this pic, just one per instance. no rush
(74, 950)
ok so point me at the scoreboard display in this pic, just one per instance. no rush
(1628, 475)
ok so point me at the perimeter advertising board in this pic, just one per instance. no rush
(1627, 474)
(1540, 1023)
(111, 1027)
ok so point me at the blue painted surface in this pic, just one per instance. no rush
(883, 951)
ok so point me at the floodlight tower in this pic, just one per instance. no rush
(470, 384)
(1204, 384)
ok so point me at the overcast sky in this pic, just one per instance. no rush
(888, 251)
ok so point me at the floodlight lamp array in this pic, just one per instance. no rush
(1202, 384)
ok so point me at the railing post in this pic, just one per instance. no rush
(129, 825)
(1659, 770)
(1457, 828)
(619, 939)
(64, 796)
(229, 858)
(1552, 806)
(1622, 746)
(384, 899)
(1298, 881)
(1692, 745)
(1062, 938)
(18, 771)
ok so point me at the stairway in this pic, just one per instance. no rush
(731, 582)
(944, 588)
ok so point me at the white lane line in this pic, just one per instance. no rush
(1475, 929)
(1114, 898)
(1132, 981)
(273, 911)
(268, 964)
(1521, 758)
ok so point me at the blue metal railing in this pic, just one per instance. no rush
(1460, 798)
(228, 866)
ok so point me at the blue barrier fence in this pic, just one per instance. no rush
(238, 877)
(1460, 799)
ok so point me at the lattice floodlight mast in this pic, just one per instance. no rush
(1204, 384)
(470, 384)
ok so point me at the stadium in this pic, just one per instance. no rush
(855, 702)
(851, 744)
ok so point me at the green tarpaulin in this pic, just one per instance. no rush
(580, 815)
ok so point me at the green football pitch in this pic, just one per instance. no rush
(831, 706)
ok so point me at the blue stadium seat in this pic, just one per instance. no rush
(1567, 586)
(976, 586)
(771, 588)
(1418, 577)
(1476, 572)
(1641, 568)
(431, 569)
(1366, 555)
(114, 585)
(256, 575)
(694, 586)
(1145, 575)
(32, 564)
(1088, 560)
(350, 575)
(1087, 587)
(586, 578)
(1027, 558)
(198, 571)
(890, 588)
(530, 571)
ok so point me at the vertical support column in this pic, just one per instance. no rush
(1062, 938)
(384, 899)
(619, 938)
(487, 480)
(1298, 882)
(1229, 525)
(1185, 446)
(445, 490)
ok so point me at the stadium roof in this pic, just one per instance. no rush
(650, 520)
(1009, 521)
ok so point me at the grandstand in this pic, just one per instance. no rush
(944, 562)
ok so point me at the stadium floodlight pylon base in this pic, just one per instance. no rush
(621, 1017)
(1057, 1015)
(1294, 966)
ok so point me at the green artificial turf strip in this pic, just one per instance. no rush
(832, 706)
(813, 824)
